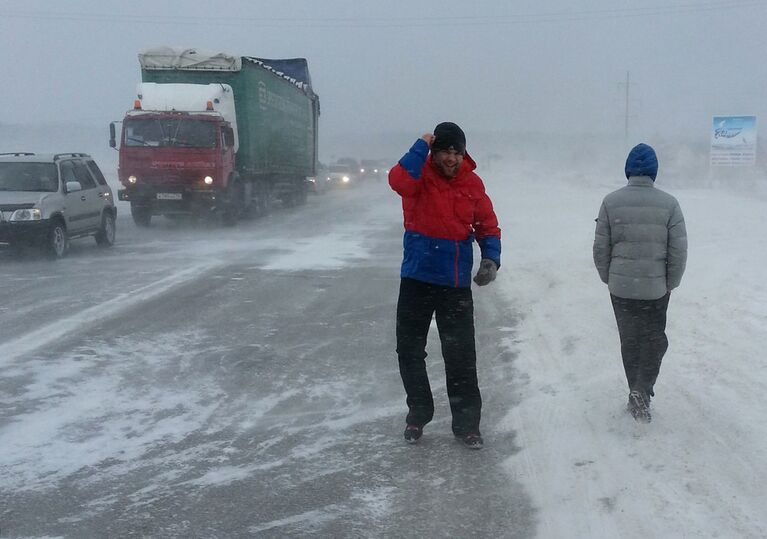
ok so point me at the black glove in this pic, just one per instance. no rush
(486, 273)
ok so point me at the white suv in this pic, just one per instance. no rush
(46, 200)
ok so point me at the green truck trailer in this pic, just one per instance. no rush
(263, 144)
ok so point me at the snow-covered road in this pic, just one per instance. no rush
(234, 383)
(203, 382)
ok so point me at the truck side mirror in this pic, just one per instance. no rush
(112, 137)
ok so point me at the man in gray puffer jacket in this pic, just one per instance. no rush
(640, 251)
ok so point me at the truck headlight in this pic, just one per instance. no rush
(32, 214)
(132, 179)
(208, 180)
(345, 179)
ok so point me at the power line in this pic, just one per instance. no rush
(396, 22)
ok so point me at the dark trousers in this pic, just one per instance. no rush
(454, 309)
(642, 329)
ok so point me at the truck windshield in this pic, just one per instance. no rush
(177, 132)
(29, 177)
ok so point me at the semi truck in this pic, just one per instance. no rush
(217, 135)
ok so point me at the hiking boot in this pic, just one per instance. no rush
(639, 407)
(472, 440)
(413, 433)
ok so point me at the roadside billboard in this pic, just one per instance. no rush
(733, 141)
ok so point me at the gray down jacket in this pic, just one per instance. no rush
(640, 245)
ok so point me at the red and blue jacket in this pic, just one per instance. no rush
(443, 217)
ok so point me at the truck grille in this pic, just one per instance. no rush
(163, 178)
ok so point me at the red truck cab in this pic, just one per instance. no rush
(178, 157)
(174, 162)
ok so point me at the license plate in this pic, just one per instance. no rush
(169, 196)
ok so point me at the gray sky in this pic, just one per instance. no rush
(555, 67)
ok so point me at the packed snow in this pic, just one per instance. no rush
(698, 469)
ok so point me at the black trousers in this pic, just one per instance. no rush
(454, 309)
(642, 329)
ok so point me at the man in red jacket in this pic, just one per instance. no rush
(445, 208)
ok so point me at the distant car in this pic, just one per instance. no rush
(46, 200)
(341, 176)
(371, 169)
(368, 170)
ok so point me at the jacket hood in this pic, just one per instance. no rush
(642, 161)
(469, 162)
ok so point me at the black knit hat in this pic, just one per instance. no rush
(448, 136)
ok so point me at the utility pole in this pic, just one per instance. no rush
(626, 125)
(627, 108)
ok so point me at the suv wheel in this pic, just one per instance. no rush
(105, 237)
(57, 241)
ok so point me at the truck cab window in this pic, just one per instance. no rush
(174, 132)
(228, 137)
(142, 133)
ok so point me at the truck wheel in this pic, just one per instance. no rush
(235, 205)
(263, 199)
(105, 237)
(56, 242)
(142, 215)
(303, 193)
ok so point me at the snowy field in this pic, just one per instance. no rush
(231, 369)
(698, 470)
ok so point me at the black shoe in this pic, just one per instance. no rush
(471, 440)
(639, 407)
(413, 433)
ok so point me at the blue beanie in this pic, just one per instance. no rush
(642, 162)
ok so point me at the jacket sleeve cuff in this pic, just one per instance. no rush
(415, 158)
(490, 247)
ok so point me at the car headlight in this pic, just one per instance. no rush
(345, 179)
(362, 171)
(208, 180)
(132, 179)
(32, 214)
